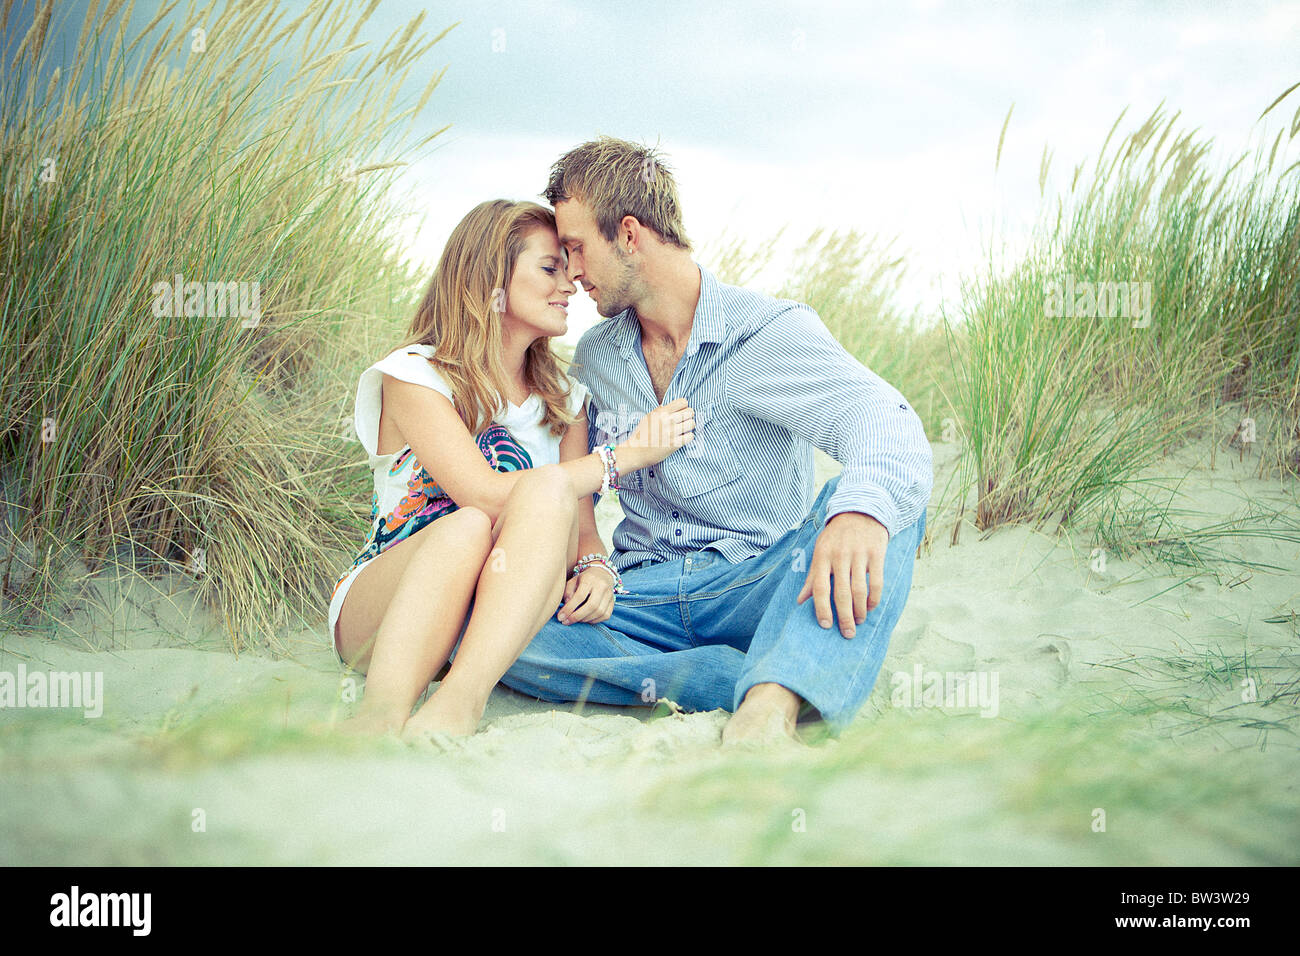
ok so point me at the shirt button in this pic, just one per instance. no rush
(674, 514)
(652, 474)
(679, 532)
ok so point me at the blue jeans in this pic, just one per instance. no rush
(702, 631)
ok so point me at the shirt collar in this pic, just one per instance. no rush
(708, 325)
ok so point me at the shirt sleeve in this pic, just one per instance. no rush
(403, 364)
(578, 395)
(792, 372)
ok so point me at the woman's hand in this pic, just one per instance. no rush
(588, 598)
(657, 435)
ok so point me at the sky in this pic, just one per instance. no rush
(881, 117)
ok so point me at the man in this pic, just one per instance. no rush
(723, 544)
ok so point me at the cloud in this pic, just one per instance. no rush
(883, 118)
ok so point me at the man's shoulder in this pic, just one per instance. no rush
(593, 351)
(601, 336)
(748, 310)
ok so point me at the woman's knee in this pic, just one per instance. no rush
(468, 529)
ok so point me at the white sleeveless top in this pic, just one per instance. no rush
(406, 497)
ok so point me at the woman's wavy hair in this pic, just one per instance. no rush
(462, 309)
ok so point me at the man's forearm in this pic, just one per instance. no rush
(888, 465)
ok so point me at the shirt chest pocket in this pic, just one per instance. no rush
(633, 481)
(707, 463)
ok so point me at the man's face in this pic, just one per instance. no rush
(606, 274)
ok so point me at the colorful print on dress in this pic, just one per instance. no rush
(502, 451)
(425, 501)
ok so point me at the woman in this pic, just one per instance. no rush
(483, 481)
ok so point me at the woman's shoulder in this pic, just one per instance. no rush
(578, 394)
(411, 363)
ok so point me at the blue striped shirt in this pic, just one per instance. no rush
(767, 382)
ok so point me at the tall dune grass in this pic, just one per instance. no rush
(1062, 411)
(210, 443)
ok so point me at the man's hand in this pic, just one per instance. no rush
(850, 549)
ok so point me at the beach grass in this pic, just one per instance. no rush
(853, 280)
(1158, 300)
(209, 434)
(1155, 291)
(1101, 778)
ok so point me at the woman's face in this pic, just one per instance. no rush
(537, 302)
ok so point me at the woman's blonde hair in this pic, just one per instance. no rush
(462, 310)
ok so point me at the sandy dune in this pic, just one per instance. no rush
(1121, 732)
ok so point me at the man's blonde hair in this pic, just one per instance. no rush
(616, 178)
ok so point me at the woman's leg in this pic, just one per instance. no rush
(410, 603)
(536, 541)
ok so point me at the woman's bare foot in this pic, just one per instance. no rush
(370, 724)
(446, 712)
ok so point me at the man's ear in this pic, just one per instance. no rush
(630, 234)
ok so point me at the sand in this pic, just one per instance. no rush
(1121, 733)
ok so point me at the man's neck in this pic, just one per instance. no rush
(667, 313)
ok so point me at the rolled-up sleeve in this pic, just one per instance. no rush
(791, 372)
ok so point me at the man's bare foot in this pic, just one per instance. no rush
(444, 713)
(766, 716)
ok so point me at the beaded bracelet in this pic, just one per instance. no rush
(604, 464)
(600, 561)
(610, 480)
(613, 469)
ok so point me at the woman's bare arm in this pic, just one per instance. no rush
(443, 445)
(573, 448)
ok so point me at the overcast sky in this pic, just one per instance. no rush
(879, 116)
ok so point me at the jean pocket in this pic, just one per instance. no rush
(656, 583)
